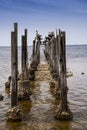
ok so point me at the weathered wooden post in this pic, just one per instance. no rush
(33, 49)
(24, 83)
(25, 31)
(8, 83)
(38, 50)
(14, 114)
(14, 70)
(23, 55)
(54, 73)
(54, 60)
(16, 40)
(57, 55)
(51, 64)
(46, 50)
(38, 42)
(34, 62)
(50, 35)
(58, 39)
(64, 112)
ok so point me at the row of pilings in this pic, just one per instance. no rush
(55, 53)
(20, 83)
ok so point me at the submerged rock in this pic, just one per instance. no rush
(7, 84)
(64, 115)
(53, 83)
(69, 73)
(82, 73)
(1, 97)
(14, 114)
(58, 94)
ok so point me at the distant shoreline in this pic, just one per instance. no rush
(77, 45)
(66, 45)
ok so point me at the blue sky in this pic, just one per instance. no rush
(44, 16)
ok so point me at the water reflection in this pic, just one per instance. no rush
(25, 107)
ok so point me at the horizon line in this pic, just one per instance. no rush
(43, 44)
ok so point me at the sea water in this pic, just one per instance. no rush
(43, 117)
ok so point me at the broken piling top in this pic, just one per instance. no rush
(16, 30)
(25, 33)
(38, 37)
(51, 34)
(14, 65)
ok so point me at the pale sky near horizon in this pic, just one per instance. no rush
(44, 16)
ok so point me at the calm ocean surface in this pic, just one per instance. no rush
(77, 95)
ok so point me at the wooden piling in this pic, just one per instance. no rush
(16, 32)
(26, 48)
(58, 53)
(38, 50)
(63, 73)
(23, 54)
(54, 60)
(24, 83)
(16, 39)
(14, 69)
(64, 112)
(51, 50)
(33, 49)
(35, 59)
